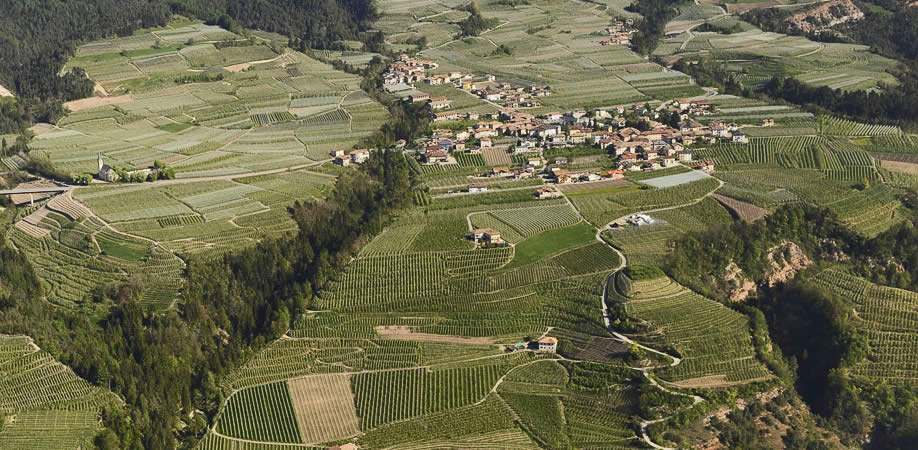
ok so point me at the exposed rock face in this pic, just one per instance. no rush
(824, 16)
(738, 286)
(786, 260)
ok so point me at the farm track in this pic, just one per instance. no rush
(625, 339)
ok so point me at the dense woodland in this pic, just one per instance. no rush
(35, 50)
(650, 29)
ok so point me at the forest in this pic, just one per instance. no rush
(651, 27)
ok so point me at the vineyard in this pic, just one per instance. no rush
(72, 257)
(518, 224)
(834, 126)
(271, 404)
(887, 317)
(47, 404)
(602, 208)
(712, 340)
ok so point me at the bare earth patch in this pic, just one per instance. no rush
(747, 212)
(324, 407)
(41, 128)
(236, 68)
(711, 381)
(406, 334)
(743, 7)
(575, 187)
(901, 166)
(95, 102)
(4, 92)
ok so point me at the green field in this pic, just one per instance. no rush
(549, 243)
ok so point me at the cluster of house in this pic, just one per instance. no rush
(344, 158)
(619, 33)
(407, 70)
(509, 95)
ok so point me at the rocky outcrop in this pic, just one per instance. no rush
(738, 286)
(826, 15)
(786, 260)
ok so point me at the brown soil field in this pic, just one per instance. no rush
(41, 128)
(405, 334)
(901, 166)
(710, 381)
(747, 212)
(497, 156)
(324, 407)
(95, 102)
(575, 187)
(743, 7)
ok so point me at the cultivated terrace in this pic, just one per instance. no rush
(501, 224)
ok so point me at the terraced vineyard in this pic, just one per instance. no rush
(887, 317)
(712, 340)
(520, 223)
(46, 404)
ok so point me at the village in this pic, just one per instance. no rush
(638, 137)
(659, 146)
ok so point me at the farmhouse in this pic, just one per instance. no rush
(486, 236)
(438, 103)
(419, 97)
(342, 161)
(348, 446)
(548, 344)
(359, 156)
(547, 193)
(705, 166)
(436, 155)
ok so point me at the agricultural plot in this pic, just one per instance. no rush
(271, 405)
(552, 44)
(600, 208)
(525, 222)
(46, 404)
(887, 316)
(714, 341)
(324, 407)
(756, 56)
(279, 95)
(870, 211)
(650, 244)
(73, 253)
(206, 217)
